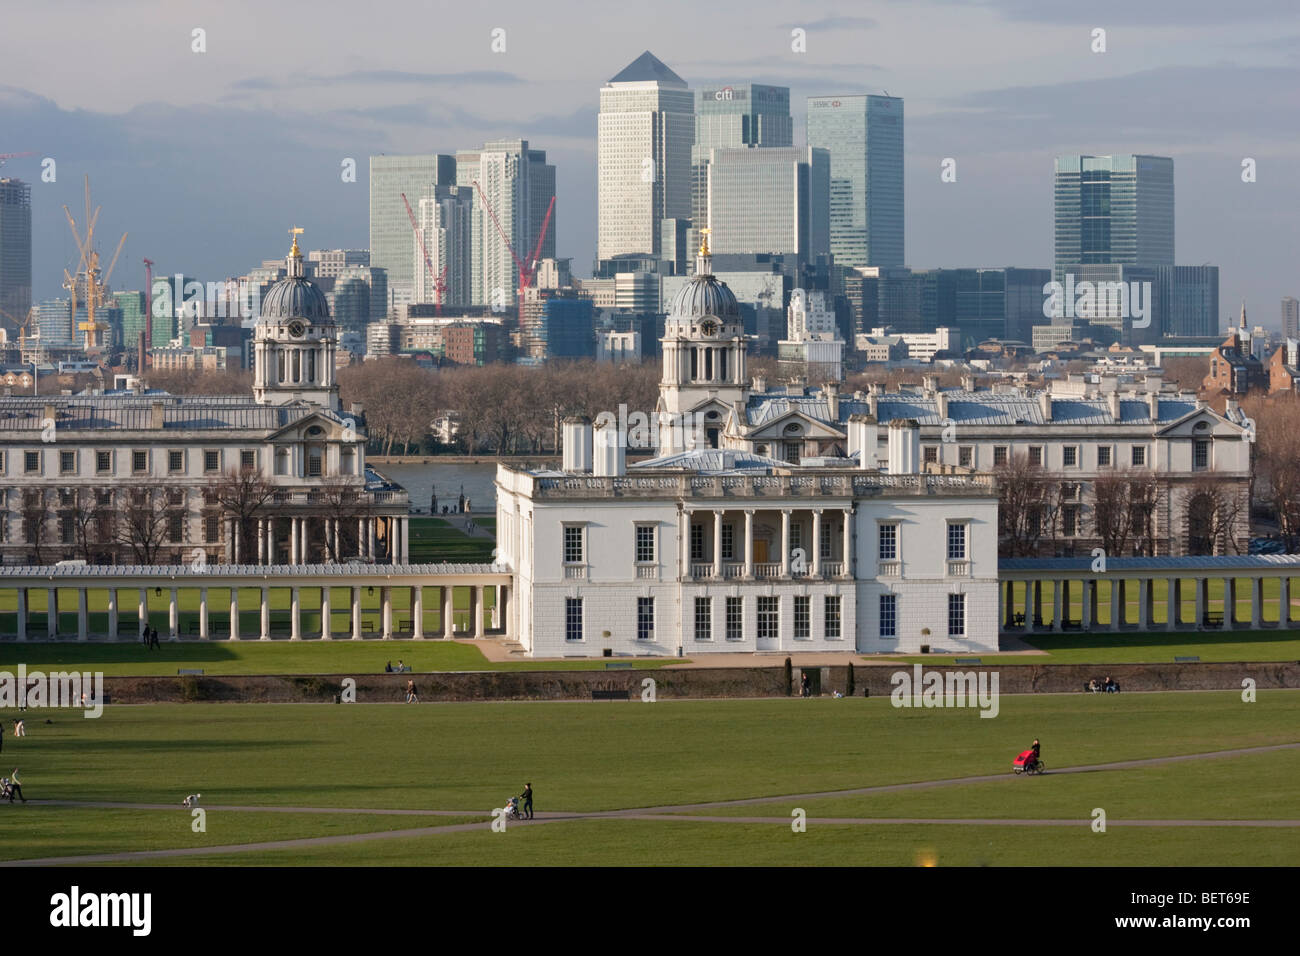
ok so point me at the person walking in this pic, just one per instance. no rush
(15, 788)
(153, 639)
(411, 696)
(805, 686)
(20, 728)
(1037, 749)
(527, 797)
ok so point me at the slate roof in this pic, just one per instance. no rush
(1204, 562)
(712, 461)
(647, 68)
(131, 412)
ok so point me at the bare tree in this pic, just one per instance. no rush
(1029, 505)
(142, 521)
(1213, 510)
(345, 503)
(240, 493)
(1277, 457)
(90, 510)
(1123, 505)
(36, 514)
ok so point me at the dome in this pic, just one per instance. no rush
(704, 295)
(295, 297)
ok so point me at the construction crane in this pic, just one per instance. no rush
(20, 325)
(527, 270)
(88, 271)
(148, 308)
(439, 283)
(5, 157)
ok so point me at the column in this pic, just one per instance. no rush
(234, 612)
(370, 538)
(405, 550)
(1033, 604)
(230, 541)
(816, 562)
(142, 612)
(1087, 597)
(386, 598)
(1229, 602)
(394, 541)
(270, 541)
(1116, 606)
(684, 542)
(325, 634)
(848, 541)
(266, 613)
(478, 593)
(1256, 603)
(295, 614)
(234, 539)
(1060, 608)
(51, 613)
(417, 612)
(203, 614)
(112, 614)
(1146, 592)
(173, 614)
(1008, 605)
(717, 544)
(785, 542)
(356, 614)
(338, 539)
(261, 541)
(1202, 586)
(448, 609)
(361, 538)
(22, 614)
(505, 610)
(1173, 604)
(749, 543)
(1284, 602)
(82, 617)
(293, 541)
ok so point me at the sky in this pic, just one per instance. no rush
(207, 158)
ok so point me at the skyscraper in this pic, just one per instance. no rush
(392, 241)
(864, 135)
(643, 157)
(519, 185)
(445, 219)
(768, 201)
(15, 250)
(1113, 210)
(1291, 318)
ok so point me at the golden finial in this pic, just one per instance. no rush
(296, 231)
(704, 241)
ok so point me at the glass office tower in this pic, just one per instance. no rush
(864, 135)
(392, 240)
(769, 201)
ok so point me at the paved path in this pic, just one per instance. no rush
(677, 813)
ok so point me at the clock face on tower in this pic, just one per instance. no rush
(297, 329)
(709, 327)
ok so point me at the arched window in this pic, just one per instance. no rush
(311, 366)
(297, 366)
(280, 377)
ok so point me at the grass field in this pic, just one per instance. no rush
(593, 757)
(1137, 647)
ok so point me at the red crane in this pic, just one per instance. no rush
(148, 310)
(526, 270)
(439, 283)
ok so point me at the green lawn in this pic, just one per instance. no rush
(434, 539)
(1136, 647)
(1270, 590)
(592, 756)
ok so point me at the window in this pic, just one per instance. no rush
(67, 462)
(703, 619)
(999, 455)
(211, 461)
(728, 542)
(645, 544)
(888, 615)
(175, 461)
(67, 531)
(1070, 521)
(313, 463)
(832, 608)
(103, 497)
(103, 461)
(889, 542)
(175, 526)
(1035, 517)
(826, 543)
(645, 619)
(1070, 456)
(796, 536)
(956, 615)
(735, 619)
(32, 462)
(930, 453)
(1036, 455)
(956, 541)
(211, 529)
(2, 461)
(697, 542)
(572, 544)
(282, 461)
(792, 450)
(1103, 456)
(573, 619)
(347, 462)
(802, 615)
(769, 618)
(1139, 456)
(139, 461)
(1200, 454)
(247, 460)
(176, 496)
(966, 456)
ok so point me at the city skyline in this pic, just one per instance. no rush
(1219, 79)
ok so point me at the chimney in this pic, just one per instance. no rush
(1153, 405)
(357, 409)
(760, 383)
(832, 393)
(1045, 404)
(1230, 409)
(1112, 401)
(930, 384)
(941, 404)
(862, 435)
(968, 382)
(610, 448)
(49, 412)
(157, 419)
(576, 441)
(904, 447)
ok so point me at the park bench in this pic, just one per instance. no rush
(966, 660)
(1192, 659)
(618, 665)
(1072, 625)
(609, 695)
(192, 671)
(1017, 620)
(1213, 619)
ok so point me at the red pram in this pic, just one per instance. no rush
(1026, 762)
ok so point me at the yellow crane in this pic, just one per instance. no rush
(88, 273)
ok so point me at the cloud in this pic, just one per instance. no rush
(1121, 13)
(838, 23)
(377, 78)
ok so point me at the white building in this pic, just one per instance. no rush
(814, 340)
(705, 550)
(618, 348)
(921, 346)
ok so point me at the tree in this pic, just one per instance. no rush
(1029, 505)
(241, 493)
(91, 512)
(345, 503)
(1277, 460)
(141, 526)
(36, 513)
(1123, 506)
(1213, 511)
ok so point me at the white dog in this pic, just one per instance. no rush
(191, 801)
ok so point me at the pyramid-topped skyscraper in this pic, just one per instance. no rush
(646, 129)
